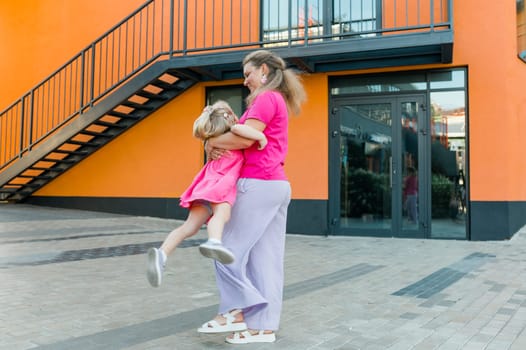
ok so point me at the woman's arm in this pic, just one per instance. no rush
(230, 140)
(249, 132)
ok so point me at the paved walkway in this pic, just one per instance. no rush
(76, 280)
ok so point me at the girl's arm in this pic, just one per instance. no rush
(249, 132)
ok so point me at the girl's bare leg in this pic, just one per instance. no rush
(157, 257)
(197, 217)
(213, 248)
(221, 214)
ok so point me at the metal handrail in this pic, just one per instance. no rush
(167, 29)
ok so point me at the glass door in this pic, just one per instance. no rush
(377, 165)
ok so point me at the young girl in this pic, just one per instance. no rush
(211, 194)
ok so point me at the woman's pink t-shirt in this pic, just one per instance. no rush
(270, 108)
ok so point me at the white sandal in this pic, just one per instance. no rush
(213, 326)
(245, 337)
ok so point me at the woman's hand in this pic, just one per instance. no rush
(216, 153)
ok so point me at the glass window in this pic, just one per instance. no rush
(354, 16)
(448, 164)
(379, 84)
(277, 14)
(233, 95)
(447, 79)
(305, 18)
(439, 130)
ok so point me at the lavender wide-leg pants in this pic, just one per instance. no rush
(256, 236)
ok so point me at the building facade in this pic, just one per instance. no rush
(413, 125)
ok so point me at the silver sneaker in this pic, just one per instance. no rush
(155, 267)
(216, 251)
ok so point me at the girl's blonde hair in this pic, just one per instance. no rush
(279, 78)
(214, 120)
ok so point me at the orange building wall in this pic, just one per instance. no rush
(307, 163)
(485, 40)
(159, 157)
(39, 36)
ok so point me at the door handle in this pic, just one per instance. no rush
(391, 172)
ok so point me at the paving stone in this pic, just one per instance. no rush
(76, 280)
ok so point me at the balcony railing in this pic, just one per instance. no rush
(168, 29)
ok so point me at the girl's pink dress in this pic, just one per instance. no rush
(216, 181)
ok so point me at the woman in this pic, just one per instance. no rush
(251, 288)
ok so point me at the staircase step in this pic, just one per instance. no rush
(36, 177)
(139, 106)
(65, 160)
(83, 143)
(123, 115)
(45, 169)
(164, 85)
(24, 193)
(93, 133)
(110, 125)
(8, 190)
(39, 168)
(151, 96)
(76, 153)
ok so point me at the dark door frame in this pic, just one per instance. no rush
(424, 172)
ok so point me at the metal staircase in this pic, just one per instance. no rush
(133, 102)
